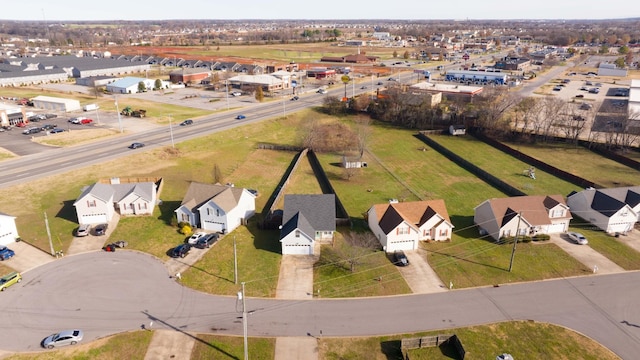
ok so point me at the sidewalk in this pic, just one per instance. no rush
(170, 344)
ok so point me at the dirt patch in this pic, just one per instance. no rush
(76, 137)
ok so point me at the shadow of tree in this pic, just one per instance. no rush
(167, 211)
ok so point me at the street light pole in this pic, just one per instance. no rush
(235, 261)
(118, 111)
(226, 86)
(244, 321)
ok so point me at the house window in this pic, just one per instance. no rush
(185, 217)
(208, 211)
(91, 203)
(124, 206)
(297, 233)
(557, 213)
(403, 230)
(444, 232)
(217, 212)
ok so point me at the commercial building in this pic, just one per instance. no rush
(55, 103)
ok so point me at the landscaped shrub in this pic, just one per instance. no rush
(185, 229)
(541, 237)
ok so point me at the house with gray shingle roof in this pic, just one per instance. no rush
(220, 208)
(522, 215)
(613, 210)
(307, 219)
(402, 225)
(99, 202)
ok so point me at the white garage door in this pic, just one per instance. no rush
(213, 226)
(556, 228)
(94, 219)
(620, 227)
(401, 245)
(293, 249)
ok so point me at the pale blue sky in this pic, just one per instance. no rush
(326, 9)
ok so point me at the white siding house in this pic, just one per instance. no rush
(307, 219)
(8, 229)
(611, 210)
(401, 226)
(217, 208)
(99, 202)
(522, 215)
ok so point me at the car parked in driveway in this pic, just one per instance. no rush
(400, 258)
(194, 238)
(206, 241)
(577, 238)
(63, 338)
(10, 279)
(100, 229)
(6, 253)
(180, 251)
(83, 230)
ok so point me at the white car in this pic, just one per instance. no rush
(578, 238)
(194, 238)
(236, 93)
(322, 91)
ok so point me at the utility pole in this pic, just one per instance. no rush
(118, 111)
(515, 242)
(244, 321)
(173, 145)
(235, 261)
(46, 223)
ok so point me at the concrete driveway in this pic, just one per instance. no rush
(419, 274)
(27, 257)
(91, 242)
(586, 255)
(631, 239)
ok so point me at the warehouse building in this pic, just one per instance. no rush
(55, 103)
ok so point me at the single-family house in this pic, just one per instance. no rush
(522, 215)
(307, 219)
(402, 225)
(215, 207)
(613, 210)
(99, 202)
(8, 229)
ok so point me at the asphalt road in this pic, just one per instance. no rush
(107, 293)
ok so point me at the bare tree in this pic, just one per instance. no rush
(572, 123)
(553, 108)
(358, 246)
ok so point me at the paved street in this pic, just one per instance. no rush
(121, 291)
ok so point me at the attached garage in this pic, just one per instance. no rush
(214, 226)
(297, 249)
(94, 219)
(556, 228)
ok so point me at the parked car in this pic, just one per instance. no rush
(380, 83)
(578, 238)
(76, 120)
(48, 126)
(594, 90)
(121, 244)
(206, 241)
(186, 122)
(240, 117)
(50, 116)
(10, 279)
(136, 145)
(399, 258)
(585, 106)
(180, 251)
(236, 93)
(85, 121)
(63, 338)
(100, 229)
(32, 130)
(56, 130)
(83, 230)
(6, 253)
(194, 238)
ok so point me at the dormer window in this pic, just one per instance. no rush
(559, 212)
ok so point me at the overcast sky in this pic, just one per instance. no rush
(325, 9)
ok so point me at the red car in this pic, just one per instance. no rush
(86, 121)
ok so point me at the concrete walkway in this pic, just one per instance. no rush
(170, 344)
(296, 348)
(586, 255)
(419, 275)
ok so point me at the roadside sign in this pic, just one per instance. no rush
(345, 79)
(465, 56)
(294, 83)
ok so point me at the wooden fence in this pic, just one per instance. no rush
(432, 341)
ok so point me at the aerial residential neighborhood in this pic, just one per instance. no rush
(319, 189)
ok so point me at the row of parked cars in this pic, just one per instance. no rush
(85, 229)
(200, 240)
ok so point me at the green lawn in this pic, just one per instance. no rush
(582, 162)
(504, 166)
(523, 340)
(607, 245)
(229, 347)
(129, 345)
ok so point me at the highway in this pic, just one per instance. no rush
(107, 293)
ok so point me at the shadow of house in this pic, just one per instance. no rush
(392, 349)
(67, 211)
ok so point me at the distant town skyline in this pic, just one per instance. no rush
(75, 10)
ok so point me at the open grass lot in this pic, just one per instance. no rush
(582, 162)
(130, 345)
(374, 275)
(503, 166)
(230, 347)
(69, 138)
(474, 262)
(523, 340)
